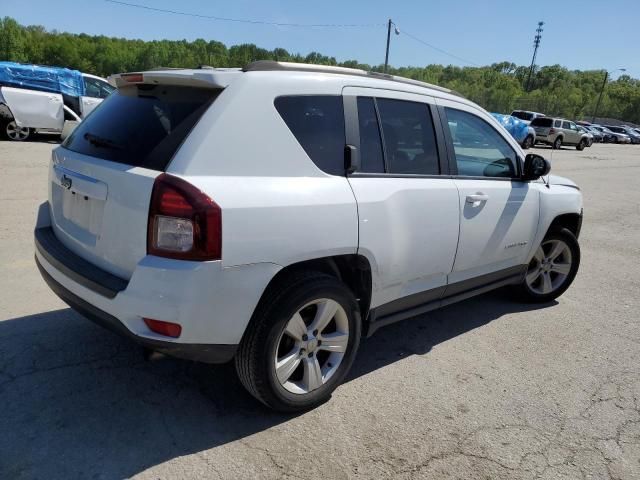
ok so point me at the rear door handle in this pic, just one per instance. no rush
(477, 198)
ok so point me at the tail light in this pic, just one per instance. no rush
(184, 223)
(552, 131)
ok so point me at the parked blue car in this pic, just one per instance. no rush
(520, 130)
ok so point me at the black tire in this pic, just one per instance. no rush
(255, 357)
(581, 145)
(523, 290)
(557, 143)
(527, 143)
(614, 139)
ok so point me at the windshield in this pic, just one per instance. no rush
(141, 125)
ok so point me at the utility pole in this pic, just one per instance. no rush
(386, 56)
(536, 45)
(604, 84)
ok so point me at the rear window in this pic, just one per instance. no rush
(542, 122)
(522, 115)
(317, 122)
(141, 125)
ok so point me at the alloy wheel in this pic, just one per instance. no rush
(550, 267)
(312, 346)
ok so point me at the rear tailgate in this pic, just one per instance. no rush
(102, 177)
(542, 126)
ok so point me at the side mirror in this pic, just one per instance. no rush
(535, 167)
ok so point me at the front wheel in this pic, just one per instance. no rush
(581, 145)
(301, 342)
(552, 268)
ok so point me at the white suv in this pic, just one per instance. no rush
(278, 213)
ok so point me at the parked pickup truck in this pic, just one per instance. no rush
(41, 99)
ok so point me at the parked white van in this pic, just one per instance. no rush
(37, 99)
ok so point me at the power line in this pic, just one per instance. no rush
(402, 31)
(244, 20)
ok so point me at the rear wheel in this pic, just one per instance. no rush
(16, 133)
(581, 144)
(557, 144)
(552, 268)
(301, 342)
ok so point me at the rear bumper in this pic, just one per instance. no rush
(212, 303)
(190, 351)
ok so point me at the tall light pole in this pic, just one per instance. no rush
(604, 84)
(386, 56)
(536, 45)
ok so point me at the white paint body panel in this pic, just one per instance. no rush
(35, 109)
(88, 104)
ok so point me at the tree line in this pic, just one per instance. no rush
(499, 87)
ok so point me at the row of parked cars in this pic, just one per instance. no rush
(557, 132)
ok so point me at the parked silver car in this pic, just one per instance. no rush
(558, 131)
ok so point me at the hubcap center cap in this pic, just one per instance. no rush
(312, 345)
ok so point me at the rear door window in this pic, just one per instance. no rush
(371, 159)
(142, 125)
(409, 138)
(317, 122)
(557, 124)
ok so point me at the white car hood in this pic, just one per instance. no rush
(557, 180)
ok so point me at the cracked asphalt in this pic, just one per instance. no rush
(486, 389)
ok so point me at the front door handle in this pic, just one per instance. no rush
(477, 198)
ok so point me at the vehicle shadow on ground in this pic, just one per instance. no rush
(38, 138)
(80, 402)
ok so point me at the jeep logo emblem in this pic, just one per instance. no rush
(66, 182)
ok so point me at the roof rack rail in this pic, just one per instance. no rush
(271, 65)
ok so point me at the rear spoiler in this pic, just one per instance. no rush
(203, 78)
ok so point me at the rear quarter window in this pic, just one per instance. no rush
(142, 125)
(317, 122)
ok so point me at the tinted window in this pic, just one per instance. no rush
(141, 125)
(409, 138)
(566, 125)
(371, 159)
(97, 88)
(317, 122)
(557, 124)
(480, 150)
(522, 115)
(541, 122)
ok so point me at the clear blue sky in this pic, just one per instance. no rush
(587, 34)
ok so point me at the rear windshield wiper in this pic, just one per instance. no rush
(101, 142)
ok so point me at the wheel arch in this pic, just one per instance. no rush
(570, 221)
(352, 269)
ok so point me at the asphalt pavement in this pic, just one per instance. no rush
(485, 389)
